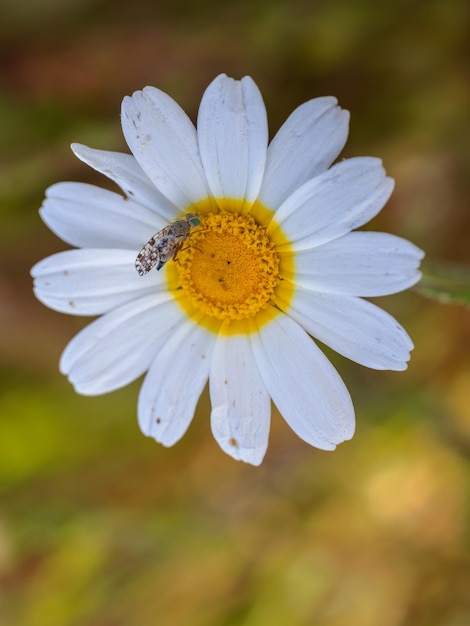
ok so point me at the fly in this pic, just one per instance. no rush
(165, 244)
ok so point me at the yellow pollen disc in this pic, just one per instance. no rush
(228, 268)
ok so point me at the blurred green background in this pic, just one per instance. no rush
(100, 526)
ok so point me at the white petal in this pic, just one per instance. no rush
(305, 146)
(174, 383)
(119, 347)
(303, 384)
(354, 328)
(358, 264)
(124, 170)
(241, 406)
(233, 136)
(91, 282)
(86, 216)
(163, 140)
(345, 197)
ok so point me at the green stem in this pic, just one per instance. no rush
(445, 282)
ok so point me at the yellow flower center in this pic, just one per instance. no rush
(229, 268)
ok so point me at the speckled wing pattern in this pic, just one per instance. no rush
(161, 247)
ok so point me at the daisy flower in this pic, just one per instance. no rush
(266, 264)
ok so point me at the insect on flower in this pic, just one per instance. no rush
(165, 244)
(288, 214)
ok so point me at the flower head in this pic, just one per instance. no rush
(265, 262)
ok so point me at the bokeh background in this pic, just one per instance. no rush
(100, 526)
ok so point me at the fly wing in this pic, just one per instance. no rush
(148, 257)
(153, 253)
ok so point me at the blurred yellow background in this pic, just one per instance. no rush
(100, 526)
